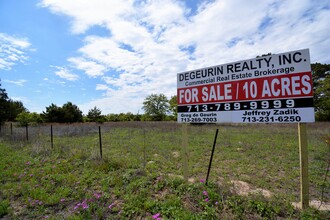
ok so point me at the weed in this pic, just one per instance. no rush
(4, 205)
(140, 175)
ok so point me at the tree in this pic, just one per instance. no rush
(95, 115)
(14, 109)
(26, 118)
(174, 105)
(68, 113)
(23, 118)
(71, 113)
(156, 106)
(53, 114)
(112, 117)
(321, 83)
(3, 105)
(322, 99)
(9, 109)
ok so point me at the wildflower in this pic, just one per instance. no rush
(205, 193)
(31, 175)
(77, 206)
(156, 216)
(46, 216)
(201, 180)
(216, 202)
(28, 163)
(62, 200)
(207, 199)
(110, 206)
(84, 205)
(97, 195)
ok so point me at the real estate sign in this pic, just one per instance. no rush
(270, 89)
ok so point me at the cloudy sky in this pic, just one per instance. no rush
(114, 53)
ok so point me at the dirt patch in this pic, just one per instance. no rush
(315, 204)
(191, 180)
(176, 154)
(244, 189)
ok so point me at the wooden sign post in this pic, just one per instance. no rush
(185, 151)
(303, 154)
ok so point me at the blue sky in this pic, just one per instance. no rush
(113, 54)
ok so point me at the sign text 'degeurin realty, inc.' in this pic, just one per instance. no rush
(272, 89)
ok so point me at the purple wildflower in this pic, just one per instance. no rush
(156, 216)
(201, 180)
(207, 199)
(112, 205)
(205, 193)
(97, 195)
(84, 205)
(62, 200)
(77, 206)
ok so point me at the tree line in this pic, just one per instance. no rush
(157, 107)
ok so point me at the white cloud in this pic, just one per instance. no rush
(64, 73)
(12, 51)
(91, 68)
(101, 87)
(21, 98)
(151, 41)
(17, 82)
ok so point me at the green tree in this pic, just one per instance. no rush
(9, 109)
(94, 114)
(26, 118)
(23, 118)
(174, 105)
(322, 99)
(53, 114)
(321, 83)
(156, 106)
(112, 117)
(68, 113)
(71, 113)
(3, 104)
(14, 109)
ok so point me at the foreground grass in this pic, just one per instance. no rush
(140, 173)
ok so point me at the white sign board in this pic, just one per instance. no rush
(271, 89)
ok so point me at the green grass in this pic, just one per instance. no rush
(140, 174)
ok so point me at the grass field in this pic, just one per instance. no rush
(255, 172)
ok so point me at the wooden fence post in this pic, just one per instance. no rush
(100, 140)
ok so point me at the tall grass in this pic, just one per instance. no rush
(138, 159)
